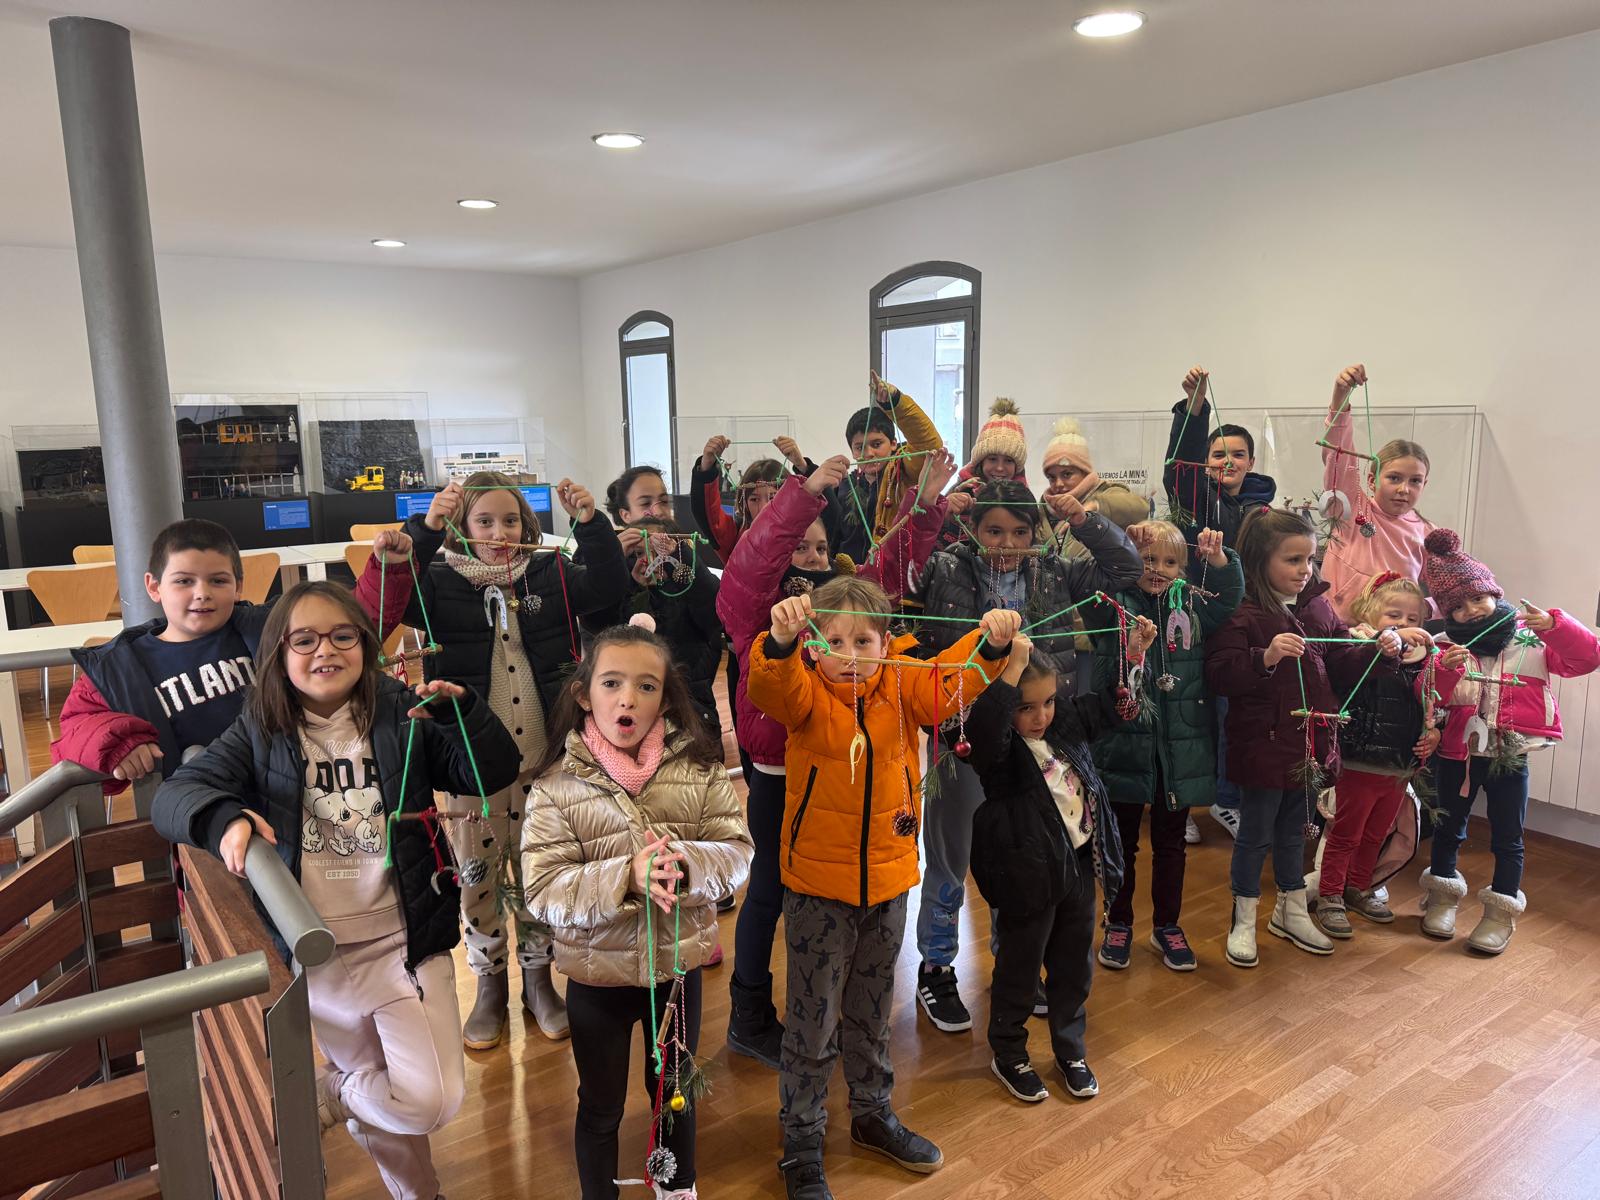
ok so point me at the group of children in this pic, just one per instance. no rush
(924, 666)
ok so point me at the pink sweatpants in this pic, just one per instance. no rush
(398, 1044)
(1362, 818)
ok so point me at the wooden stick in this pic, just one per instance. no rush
(1350, 453)
(674, 995)
(443, 814)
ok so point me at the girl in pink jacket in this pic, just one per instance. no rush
(1502, 710)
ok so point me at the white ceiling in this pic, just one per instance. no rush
(301, 129)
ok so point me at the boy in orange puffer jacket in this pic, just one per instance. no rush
(849, 849)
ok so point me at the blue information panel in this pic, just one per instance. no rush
(411, 504)
(286, 514)
(538, 497)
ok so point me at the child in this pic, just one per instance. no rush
(1069, 469)
(1380, 748)
(506, 620)
(156, 689)
(758, 484)
(1038, 841)
(632, 807)
(1165, 758)
(638, 493)
(961, 584)
(1285, 612)
(1503, 709)
(1384, 531)
(849, 849)
(1000, 451)
(313, 766)
(870, 497)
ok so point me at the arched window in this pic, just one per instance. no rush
(924, 330)
(649, 395)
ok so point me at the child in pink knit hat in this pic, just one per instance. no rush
(1501, 711)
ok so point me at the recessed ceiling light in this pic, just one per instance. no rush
(1108, 24)
(387, 243)
(618, 141)
(478, 203)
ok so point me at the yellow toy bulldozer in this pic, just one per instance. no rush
(370, 480)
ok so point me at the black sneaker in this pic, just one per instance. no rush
(1041, 1003)
(883, 1134)
(1020, 1079)
(1174, 947)
(1116, 946)
(725, 905)
(1080, 1080)
(803, 1177)
(936, 992)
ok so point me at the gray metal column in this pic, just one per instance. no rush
(117, 268)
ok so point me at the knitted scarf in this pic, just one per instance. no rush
(631, 773)
(481, 574)
(1490, 644)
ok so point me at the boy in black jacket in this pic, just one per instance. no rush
(1040, 837)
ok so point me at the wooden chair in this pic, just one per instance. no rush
(259, 572)
(94, 554)
(72, 596)
(356, 558)
(365, 533)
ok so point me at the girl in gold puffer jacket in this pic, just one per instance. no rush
(632, 807)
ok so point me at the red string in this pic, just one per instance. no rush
(430, 822)
(572, 627)
(655, 1125)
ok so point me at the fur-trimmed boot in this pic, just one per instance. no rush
(1499, 921)
(1242, 932)
(1292, 921)
(1440, 898)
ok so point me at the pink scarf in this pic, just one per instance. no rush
(631, 773)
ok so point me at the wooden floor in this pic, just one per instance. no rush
(1399, 1067)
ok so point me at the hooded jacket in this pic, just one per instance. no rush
(1193, 490)
(878, 500)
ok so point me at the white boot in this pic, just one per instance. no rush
(1242, 932)
(1291, 920)
(1439, 900)
(1500, 915)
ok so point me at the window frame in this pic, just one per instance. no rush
(643, 348)
(882, 318)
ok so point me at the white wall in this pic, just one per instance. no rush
(478, 343)
(1443, 228)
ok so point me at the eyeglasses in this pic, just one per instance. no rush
(306, 641)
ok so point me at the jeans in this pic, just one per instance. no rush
(947, 853)
(602, 1021)
(1227, 790)
(763, 900)
(1270, 819)
(1507, 795)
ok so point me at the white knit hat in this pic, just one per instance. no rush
(1068, 445)
(1001, 434)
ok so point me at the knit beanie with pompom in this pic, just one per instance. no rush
(1068, 445)
(1001, 434)
(1453, 576)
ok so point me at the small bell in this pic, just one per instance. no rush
(963, 749)
(1166, 681)
(514, 604)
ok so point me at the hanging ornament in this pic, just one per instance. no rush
(682, 573)
(1180, 630)
(474, 871)
(1364, 524)
(661, 1163)
(905, 815)
(1166, 681)
(1127, 706)
(963, 749)
(677, 1103)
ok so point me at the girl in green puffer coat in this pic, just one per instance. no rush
(1166, 758)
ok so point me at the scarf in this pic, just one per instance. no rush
(1491, 644)
(630, 773)
(481, 574)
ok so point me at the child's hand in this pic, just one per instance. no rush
(1194, 387)
(715, 445)
(1537, 619)
(941, 470)
(1140, 534)
(960, 502)
(829, 473)
(1412, 636)
(1208, 545)
(790, 618)
(1021, 651)
(790, 449)
(632, 540)
(236, 839)
(1349, 379)
(1285, 645)
(1389, 644)
(656, 883)
(1140, 638)
(435, 687)
(576, 499)
(1454, 657)
(141, 760)
(884, 395)
(1064, 506)
(1426, 744)
(1000, 626)
(446, 505)
(392, 543)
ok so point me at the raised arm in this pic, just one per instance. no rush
(1341, 469)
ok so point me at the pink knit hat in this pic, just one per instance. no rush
(1453, 576)
(1001, 434)
(1068, 445)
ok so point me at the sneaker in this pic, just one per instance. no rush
(714, 959)
(883, 1134)
(725, 905)
(803, 1176)
(1191, 831)
(1041, 1003)
(1381, 894)
(1116, 946)
(1228, 818)
(1367, 904)
(1020, 1079)
(1174, 947)
(1331, 916)
(937, 994)
(1080, 1080)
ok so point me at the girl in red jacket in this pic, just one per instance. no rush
(1285, 616)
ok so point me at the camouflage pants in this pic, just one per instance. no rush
(483, 906)
(841, 990)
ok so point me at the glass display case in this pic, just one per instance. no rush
(750, 438)
(463, 446)
(239, 447)
(58, 466)
(360, 442)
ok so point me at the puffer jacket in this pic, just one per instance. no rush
(1386, 712)
(579, 836)
(839, 840)
(954, 587)
(1567, 650)
(754, 574)
(1266, 741)
(1177, 729)
(1194, 490)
